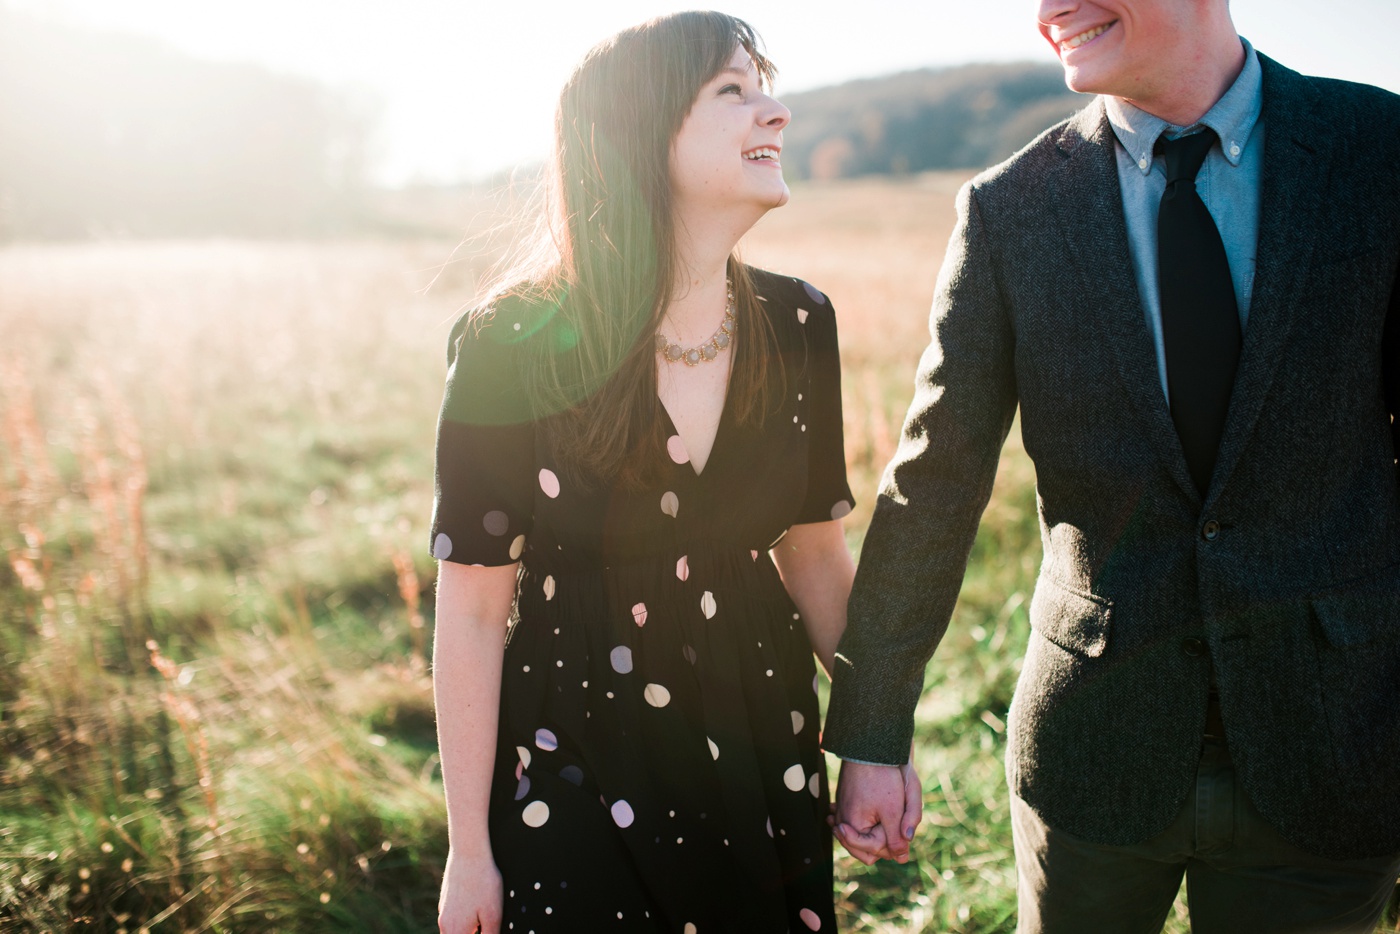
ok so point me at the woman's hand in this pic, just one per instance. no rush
(864, 817)
(471, 899)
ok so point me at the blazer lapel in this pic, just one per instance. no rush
(1290, 212)
(1089, 207)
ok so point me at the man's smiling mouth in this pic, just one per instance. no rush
(1075, 42)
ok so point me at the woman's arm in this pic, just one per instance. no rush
(817, 571)
(473, 607)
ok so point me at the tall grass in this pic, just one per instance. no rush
(214, 463)
(215, 479)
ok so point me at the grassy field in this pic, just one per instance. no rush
(215, 603)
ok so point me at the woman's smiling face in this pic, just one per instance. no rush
(725, 154)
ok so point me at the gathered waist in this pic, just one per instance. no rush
(690, 578)
(681, 559)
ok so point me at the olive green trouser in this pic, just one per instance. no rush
(1241, 876)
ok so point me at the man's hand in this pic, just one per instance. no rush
(878, 808)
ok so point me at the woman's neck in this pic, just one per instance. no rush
(699, 292)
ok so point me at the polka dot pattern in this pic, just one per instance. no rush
(622, 814)
(795, 779)
(814, 293)
(536, 813)
(549, 483)
(495, 523)
(810, 918)
(611, 673)
(442, 547)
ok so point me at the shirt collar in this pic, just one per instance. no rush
(1232, 118)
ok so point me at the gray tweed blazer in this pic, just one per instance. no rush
(1288, 572)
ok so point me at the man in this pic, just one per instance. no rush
(1190, 291)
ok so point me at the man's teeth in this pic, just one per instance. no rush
(762, 154)
(1083, 37)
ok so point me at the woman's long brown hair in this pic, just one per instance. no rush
(593, 283)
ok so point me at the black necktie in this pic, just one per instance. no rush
(1200, 319)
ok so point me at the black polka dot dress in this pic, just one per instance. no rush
(658, 766)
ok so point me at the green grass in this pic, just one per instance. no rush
(220, 450)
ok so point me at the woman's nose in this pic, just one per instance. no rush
(776, 116)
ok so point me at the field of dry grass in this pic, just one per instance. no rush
(215, 482)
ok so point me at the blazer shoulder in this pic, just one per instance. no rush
(1353, 111)
(1028, 166)
(1363, 109)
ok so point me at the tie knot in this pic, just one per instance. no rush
(1185, 154)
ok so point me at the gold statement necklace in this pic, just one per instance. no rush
(704, 353)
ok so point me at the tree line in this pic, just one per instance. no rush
(104, 134)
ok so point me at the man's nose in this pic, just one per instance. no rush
(1049, 10)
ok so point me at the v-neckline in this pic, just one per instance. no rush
(714, 444)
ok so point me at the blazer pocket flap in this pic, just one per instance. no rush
(1076, 622)
(1362, 613)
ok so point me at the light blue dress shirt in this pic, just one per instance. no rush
(1228, 183)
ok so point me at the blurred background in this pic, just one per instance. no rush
(163, 118)
(233, 238)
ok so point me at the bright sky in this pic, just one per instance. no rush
(467, 87)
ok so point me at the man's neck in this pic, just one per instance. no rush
(1203, 81)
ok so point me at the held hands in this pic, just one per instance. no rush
(878, 808)
(471, 899)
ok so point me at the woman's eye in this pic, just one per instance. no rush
(731, 89)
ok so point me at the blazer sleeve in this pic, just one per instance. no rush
(930, 501)
(1391, 349)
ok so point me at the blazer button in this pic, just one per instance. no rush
(1195, 648)
(1210, 530)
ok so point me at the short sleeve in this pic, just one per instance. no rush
(828, 493)
(483, 489)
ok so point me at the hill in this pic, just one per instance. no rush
(966, 117)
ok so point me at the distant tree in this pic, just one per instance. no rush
(965, 117)
(108, 134)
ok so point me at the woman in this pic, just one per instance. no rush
(633, 420)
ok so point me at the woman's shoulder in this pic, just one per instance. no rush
(485, 361)
(497, 330)
(793, 305)
(788, 291)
